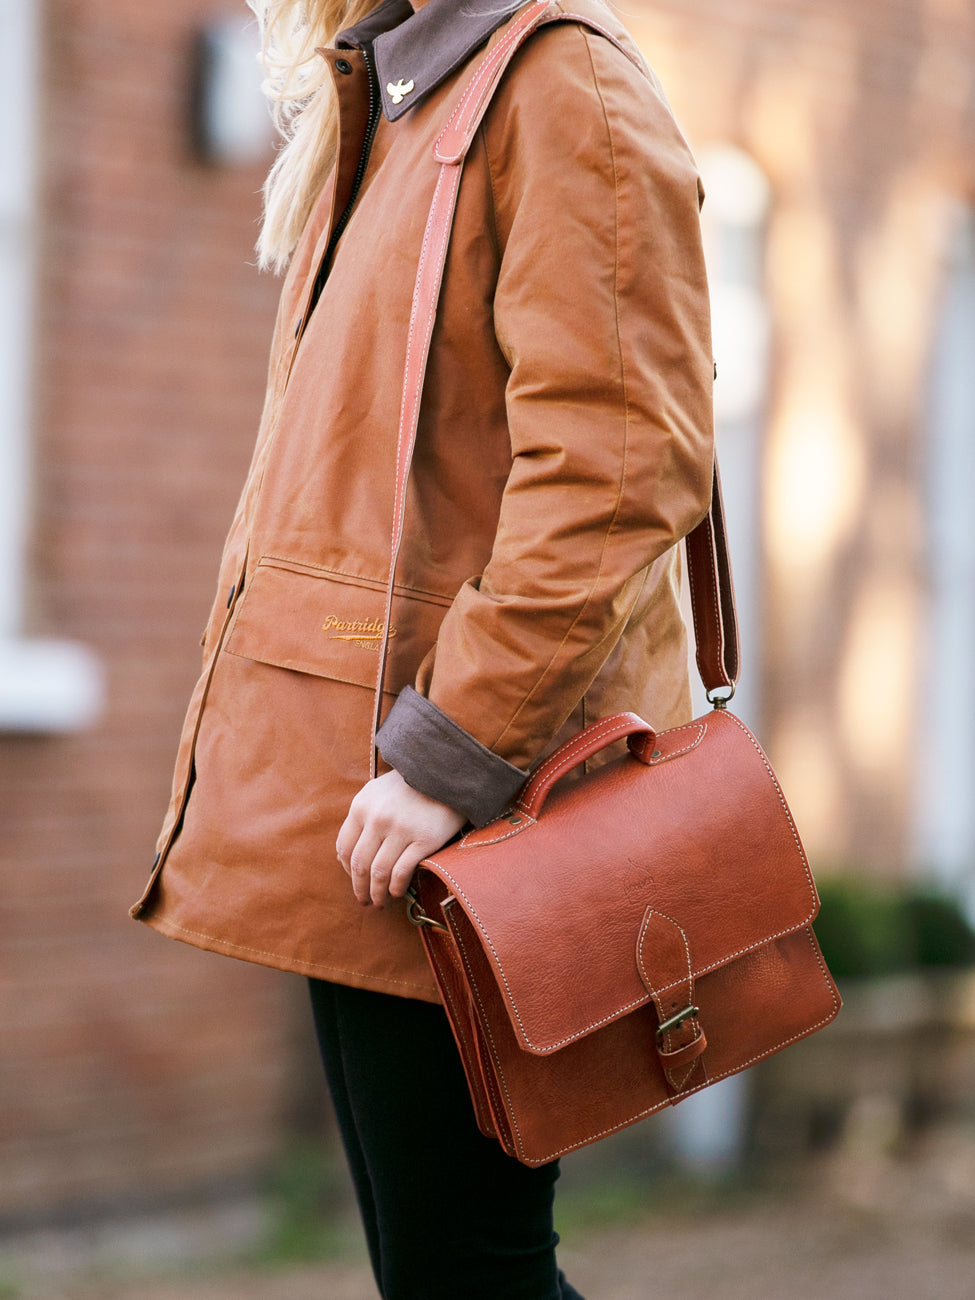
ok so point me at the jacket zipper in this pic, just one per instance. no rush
(372, 123)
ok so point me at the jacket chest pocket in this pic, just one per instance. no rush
(331, 625)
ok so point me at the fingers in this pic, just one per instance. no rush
(403, 871)
(381, 866)
(392, 871)
(378, 858)
(389, 829)
(366, 865)
(348, 837)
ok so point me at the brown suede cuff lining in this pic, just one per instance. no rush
(440, 759)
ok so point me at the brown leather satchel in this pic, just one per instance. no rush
(617, 943)
(623, 942)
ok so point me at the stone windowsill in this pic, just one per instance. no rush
(49, 687)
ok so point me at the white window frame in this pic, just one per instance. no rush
(734, 222)
(46, 685)
(945, 812)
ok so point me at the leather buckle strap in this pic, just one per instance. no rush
(713, 600)
(680, 1058)
(664, 962)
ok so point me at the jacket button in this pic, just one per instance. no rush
(343, 66)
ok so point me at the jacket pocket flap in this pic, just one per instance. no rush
(331, 625)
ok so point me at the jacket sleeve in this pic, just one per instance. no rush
(601, 311)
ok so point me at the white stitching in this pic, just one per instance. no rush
(650, 913)
(605, 1020)
(494, 1101)
(486, 70)
(668, 1036)
(716, 588)
(486, 1026)
(690, 579)
(785, 808)
(163, 923)
(713, 587)
(672, 1079)
(665, 758)
(496, 839)
(567, 759)
(735, 1069)
(659, 1105)
(410, 406)
(696, 974)
(295, 567)
(467, 1030)
(566, 17)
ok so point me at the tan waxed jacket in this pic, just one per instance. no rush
(564, 448)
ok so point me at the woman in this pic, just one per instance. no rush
(563, 449)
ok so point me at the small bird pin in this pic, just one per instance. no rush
(399, 92)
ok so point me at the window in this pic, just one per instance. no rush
(946, 770)
(708, 1131)
(45, 685)
(734, 216)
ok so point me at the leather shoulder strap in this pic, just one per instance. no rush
(455, 139)
(709, 569)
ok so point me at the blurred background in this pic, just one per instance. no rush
(160, 1108)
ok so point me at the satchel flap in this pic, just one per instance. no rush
(330, 624)
(705, 839)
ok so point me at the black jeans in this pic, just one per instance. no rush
(448, 1216)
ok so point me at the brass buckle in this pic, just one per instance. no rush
(675, 1021)
(418, 917)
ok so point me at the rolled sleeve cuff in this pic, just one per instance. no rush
(440, 759)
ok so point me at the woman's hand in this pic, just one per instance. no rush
(389, 829)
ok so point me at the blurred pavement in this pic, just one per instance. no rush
(852, 1229)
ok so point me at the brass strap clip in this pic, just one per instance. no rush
(418, 916)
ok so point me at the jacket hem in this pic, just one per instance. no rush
(294, 965)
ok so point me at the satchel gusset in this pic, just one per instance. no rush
(458, 1000)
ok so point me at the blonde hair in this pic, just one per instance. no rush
(299, 85)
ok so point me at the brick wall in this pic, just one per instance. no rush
(133, 1067)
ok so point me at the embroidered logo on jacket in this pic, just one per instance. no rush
(364, 633)
(399, 92)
